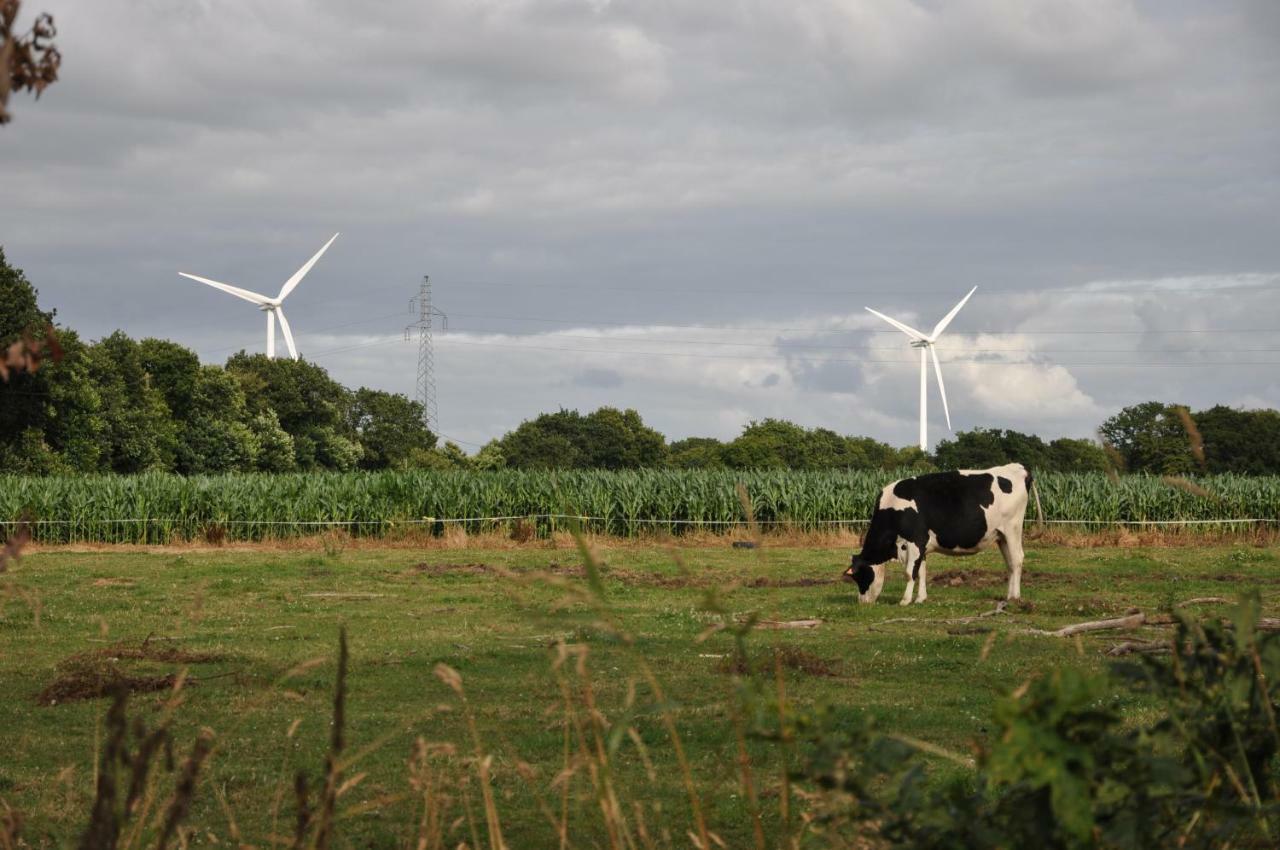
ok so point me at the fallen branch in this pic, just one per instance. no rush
(999, 609)
(1132, 646)
(788, 624)
(1132, 621)
(1205, 600)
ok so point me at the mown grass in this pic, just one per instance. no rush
(239, 619)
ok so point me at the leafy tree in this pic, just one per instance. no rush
(21, 311)
(173, 370)
(275, 447)
(619, 439)
(866, 453)
(390, 428)
(335, 451)
(607, 438)
(985, 447)
(490, 456)
(29, 454)
(1150, 437)
(448, 457)
(73, 423)
(1069, 455)
(776, 443)
(138, 434)
(1241, 441)
(217, 438)
(547, 442)
(773, 443)
(696, 453)
(310, 406)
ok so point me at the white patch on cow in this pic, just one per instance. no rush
(890, 501)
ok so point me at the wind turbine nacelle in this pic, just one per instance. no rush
(915, 343)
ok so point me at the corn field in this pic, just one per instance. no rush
(164, 508)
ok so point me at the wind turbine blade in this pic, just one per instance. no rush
(251, 297)
(906, 329)
(946, 320)
(288, 335)
(942, 388)
(302, 272)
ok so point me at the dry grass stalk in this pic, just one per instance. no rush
(337, 742)
(483, 761)
(1189, 486)
(1194, 439)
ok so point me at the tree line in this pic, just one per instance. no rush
(125, 405)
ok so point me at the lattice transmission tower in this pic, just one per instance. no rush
(427, 314)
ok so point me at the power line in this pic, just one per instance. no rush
(711, 327)
(1108, 289)
(777, 345)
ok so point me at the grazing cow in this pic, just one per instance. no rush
(955, 513)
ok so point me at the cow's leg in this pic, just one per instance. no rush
(877, 583)
(920, 573)
(909, 555)
(1011, 548)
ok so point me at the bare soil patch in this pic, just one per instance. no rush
(99, 672)
(791, 657)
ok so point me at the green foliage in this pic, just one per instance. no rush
(390, 429)
(696, 453)
(174, 371)
(776, 443)
(490, 456)
(217, 437)
(275, 447)
(138, 433)
(1150, 437)
(1068, 455)
(1063, 769)
(625, 502)
(1241, 441)
(21, 311)
(607, 438)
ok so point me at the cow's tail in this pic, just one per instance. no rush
(1035, 492)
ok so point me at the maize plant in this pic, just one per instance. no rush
(164, 508)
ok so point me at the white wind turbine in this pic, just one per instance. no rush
(273, 307)
(925, 342)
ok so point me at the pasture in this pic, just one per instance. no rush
(644, 660)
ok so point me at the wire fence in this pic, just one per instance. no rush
(179, 529)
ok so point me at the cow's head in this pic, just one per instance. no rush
(868, 577)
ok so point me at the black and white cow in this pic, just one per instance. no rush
(955, 513)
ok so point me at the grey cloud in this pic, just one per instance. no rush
(598, 379)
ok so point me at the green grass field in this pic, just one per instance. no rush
(495, 616)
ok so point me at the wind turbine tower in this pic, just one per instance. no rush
(273, 307)
(925, 342)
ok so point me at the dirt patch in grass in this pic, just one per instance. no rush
(114, 582)
(791, 657)
(99, 672)
(763, 581)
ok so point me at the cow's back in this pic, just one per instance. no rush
(963, 509)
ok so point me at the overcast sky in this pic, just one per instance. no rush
(680, 207)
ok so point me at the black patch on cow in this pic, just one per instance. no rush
(861, 573)
(1005, 484)
(947, 503)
